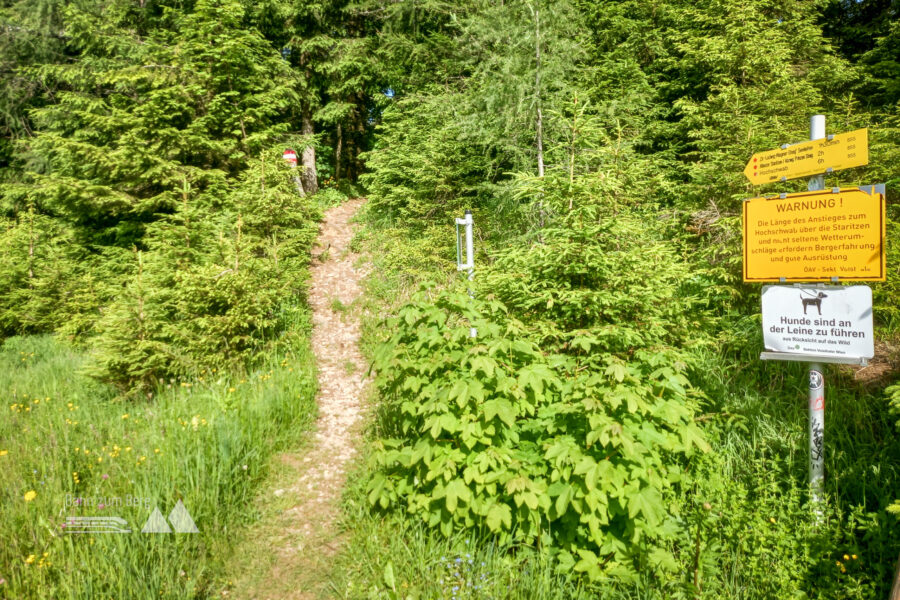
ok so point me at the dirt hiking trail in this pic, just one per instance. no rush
(294, 542)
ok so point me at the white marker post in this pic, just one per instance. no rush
(469, 265)
(290, 156)
(816, 372)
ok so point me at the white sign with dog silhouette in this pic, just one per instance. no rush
(827, 321)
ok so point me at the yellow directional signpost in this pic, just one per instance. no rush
(822, 235)
(835, 152)
(835, 235)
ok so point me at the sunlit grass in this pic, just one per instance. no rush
(205, 441)
(395, 557)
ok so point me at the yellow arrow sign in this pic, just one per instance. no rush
(841, 151)
(816, 236)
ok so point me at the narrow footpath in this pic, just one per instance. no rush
(294, 544)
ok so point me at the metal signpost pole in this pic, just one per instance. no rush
(817, 132)
(768, 256)
(816, 372)
(816, 432)
(470, 259)
(469, 265)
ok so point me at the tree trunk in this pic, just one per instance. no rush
(572, 151)
(350, 152)
(537, 93)
(895, 589)
(337, 155)
(539, 124)
(308, 158)
(31, 246)
(356, 137)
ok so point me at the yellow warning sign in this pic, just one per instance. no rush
(816, 236)
(841, 151)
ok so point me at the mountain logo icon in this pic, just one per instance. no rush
(180, 519)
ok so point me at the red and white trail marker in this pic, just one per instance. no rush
(290, 156)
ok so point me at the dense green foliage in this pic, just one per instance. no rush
(152, 214)
(611, 419)
(499, 434)
(605, 181)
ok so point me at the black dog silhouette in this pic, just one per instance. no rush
(817, 302)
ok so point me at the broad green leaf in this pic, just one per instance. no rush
(389, 576)
(617, 371)
(562, 501)
(648, 503)
(499, 516)
(457, 490)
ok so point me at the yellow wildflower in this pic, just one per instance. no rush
(4, 452)
(30, 495)
(30, 559)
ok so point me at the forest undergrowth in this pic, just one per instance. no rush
(735, 522)
(610, 431)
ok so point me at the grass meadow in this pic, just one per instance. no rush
(205, 441)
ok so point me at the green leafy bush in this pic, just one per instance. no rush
(217, 286)
(492, 432)
(418, 138)
(580, 282)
